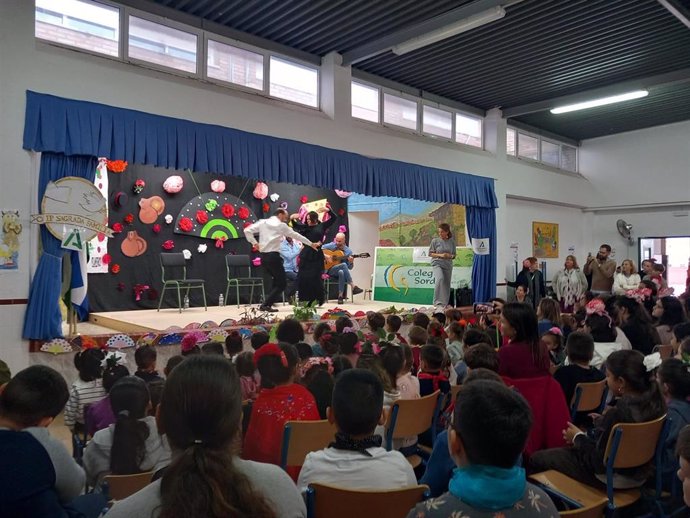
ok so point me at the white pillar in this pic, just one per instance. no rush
(335, 87)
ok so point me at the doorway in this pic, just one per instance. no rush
(674, 254)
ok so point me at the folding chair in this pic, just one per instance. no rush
(177, 261)
(302, 437)
(326, 501)
(233, 263)
(118, 487)
(629, 445)
(588, 397)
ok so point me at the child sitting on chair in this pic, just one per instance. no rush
(431, 376)
(356, 460)
(487, 483)
(393, 323)
(87, 389)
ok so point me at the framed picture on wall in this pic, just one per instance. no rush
(545, 240)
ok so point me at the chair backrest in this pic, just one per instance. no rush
(302, 437)
(665, 351)
(410, 417)
(454, 390)
(246, 414)
(172, 260)
(122, 486)
(325, 501)
(633, 444)
(588, 397)
(592, 511)
(237, 261)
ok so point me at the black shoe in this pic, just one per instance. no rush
(356, 290)
(340, 300)
(267, 309)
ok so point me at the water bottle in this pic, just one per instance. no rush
(221, 301)
(186, 302)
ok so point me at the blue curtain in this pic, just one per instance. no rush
(481, 223)
(42, 320)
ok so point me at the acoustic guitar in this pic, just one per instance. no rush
(335, 257)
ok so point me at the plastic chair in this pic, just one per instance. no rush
(629, 445)
(326, 501)
(118, 487)
(666, 351)
(176, 260)
(303, 437)
(234, 263)
(589, 397)
(591, 511)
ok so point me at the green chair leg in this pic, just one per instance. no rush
(160, 299)
(179, 299)
(203, 292)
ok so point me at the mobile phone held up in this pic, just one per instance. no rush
(484, 308)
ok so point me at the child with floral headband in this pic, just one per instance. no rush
(316, 373)
(553, 338)
(279, 401)
(602, 328)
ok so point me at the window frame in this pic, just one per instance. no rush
(379, 99)
(455, 129)
(405, 96)
(540, 140)
(240, 45)
(292, 61)
(439, 107)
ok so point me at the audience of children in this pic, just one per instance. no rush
(636, 323)
(200, 413)
(320, 329)
(406, 383)
(131, 445)
(213, 348)
(601, 327)
(356, 459)
(548, 315)
(87, 389)
(487, 483)
(258, 339)
(145, 357)
(471, 337)
(421, 319)
(553, 339)
(525, 356)
(100, 415)
(455, 332)
(481, 356)
(172, 362)
(393, 324)
(436, 334)
(317, 375)
(431, 376)
(290, 331)
(674, 380)
(348, 346)
(233, 344)
(244, 363)
(376, 322)
(341, 363)
(417, 337)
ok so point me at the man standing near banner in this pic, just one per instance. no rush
(271, 233)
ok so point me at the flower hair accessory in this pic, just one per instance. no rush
(325, 338)
(270, 350)
(314, 361)
(556, 331)
(640, 294)
(597, 307)
(652, 361)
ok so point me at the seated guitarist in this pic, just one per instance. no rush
(341, 271)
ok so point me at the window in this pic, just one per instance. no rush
(528, 146)
(235, 65)
(468, 130)
(81, 24)
(437, 122)
(399, 112)
(162, 45)
(510, 142)
(569, 158)
(365, 102)
(550, 153)
(293, 82)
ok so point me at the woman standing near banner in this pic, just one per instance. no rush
(442, 253)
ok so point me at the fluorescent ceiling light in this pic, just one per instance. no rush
(464, 25)
(637, 94)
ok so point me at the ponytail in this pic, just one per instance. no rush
(129, 399)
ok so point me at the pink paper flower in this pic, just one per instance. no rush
(260, 191)
(217, 186)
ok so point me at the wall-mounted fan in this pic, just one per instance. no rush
(625, 230)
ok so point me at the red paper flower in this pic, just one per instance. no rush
(246, 224)
(220, 241)
(265, 207)
(341, 212)
(255, 249)
(101, 237)
(117, 227)
(169, 244)
(243, 213)
(116, 166)
(186, 224)
(129, 218)
(227, 210)
(105, 259)
(156, 228)
(303, 199)
(202, 217)
(115, 269)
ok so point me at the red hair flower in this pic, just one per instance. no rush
(265, 207)
(169, 244)
(116, 166)
(117, 227)
(303, 199)
(202, 217)
(129, 218)
(243, 213)
(186, 224)
(270, 350)
(462, 322)
(227, 210)
(115, 269)
(156, 228)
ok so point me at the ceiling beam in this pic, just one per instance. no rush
(675, 77)
(678, 10)
(387, 42)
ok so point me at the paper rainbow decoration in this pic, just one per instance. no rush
(218, 226)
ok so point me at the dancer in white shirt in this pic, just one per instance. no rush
(271, 233)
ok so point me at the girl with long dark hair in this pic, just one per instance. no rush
(668, 311)
(525, 356)
(637, 325)
(200, 413)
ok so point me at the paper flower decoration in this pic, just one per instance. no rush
(168, 218)
(303, 199)
(256, 261)
(185, 224)
(202, 248)
(156, 228)
(116, 166)
(265, 208)
(117, 227)
(173, 184)
(342, 229)
(211, 205)
(169, 244)
(217, 186)
(227, 210)
(129, 218)
(202, 217)
(243, 213)
(190, 340)
(138, 186)
(106, 259)
(260, 191)
(187, 254)
(115, 269)
(341, 212)
(283, 205)
(246, 224)
(274, 197)
(220, 241)
(343, 194)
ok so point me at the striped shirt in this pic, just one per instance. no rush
(82, 393)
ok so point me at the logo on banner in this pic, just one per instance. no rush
(480, 246)
(388, 276)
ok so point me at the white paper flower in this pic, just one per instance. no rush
(652, 361)
(119, 358)
(202, 248)
(168, 219)
(187, 254)
(274, 197)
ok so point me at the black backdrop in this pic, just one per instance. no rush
(114, 292)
